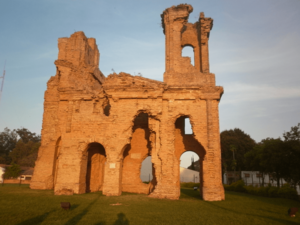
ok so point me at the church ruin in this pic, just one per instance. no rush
(97, 130)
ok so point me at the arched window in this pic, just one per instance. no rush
(188, 51)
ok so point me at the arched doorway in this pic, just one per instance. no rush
(96, 158)
(185, 142)
(189, 167)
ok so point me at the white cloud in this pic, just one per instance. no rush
(241, 92)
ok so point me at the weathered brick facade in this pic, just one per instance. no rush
(97, 130)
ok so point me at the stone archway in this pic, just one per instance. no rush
(187, 142)
(96, 158)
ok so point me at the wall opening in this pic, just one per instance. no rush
(134, 155)
(188, 149)
(189, 167)
(106, 107)
(191, 177)
(146, 174)
(188, 51)
(95, 167)
(187, 127)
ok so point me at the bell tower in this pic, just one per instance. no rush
(178, 34)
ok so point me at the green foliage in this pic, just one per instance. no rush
(26, 136)
(189, 185)
(19, 146)
(12, 171)
(25, 154)
(281, 158)
(238, 186)
(292, 172)
(287, 192)
(284, 192)
(234, 144)
(293, 135)
(8, 140)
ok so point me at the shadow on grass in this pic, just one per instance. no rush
(122, 220)
(189, 193)
(254, 215)
(79, 216)
(36, 220)
(264, 199)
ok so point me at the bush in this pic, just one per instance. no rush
(238, 186)
(12, 171)
(284, 192)
(287, 192)
(273, 191)
(189, 185)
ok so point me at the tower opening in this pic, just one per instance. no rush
(188, 51)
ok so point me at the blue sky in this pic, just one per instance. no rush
(254, 52)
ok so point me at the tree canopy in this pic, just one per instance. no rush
(278, 157)
(234, 144)
(19, 146)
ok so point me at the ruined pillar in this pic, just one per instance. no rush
(205, 25)
(212, 175)
(112, 185)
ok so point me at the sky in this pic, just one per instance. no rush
(254, 52)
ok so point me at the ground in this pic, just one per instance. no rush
(21, 205)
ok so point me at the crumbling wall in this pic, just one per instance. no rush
(97, 131)
(178, 34)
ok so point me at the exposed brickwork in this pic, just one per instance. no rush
(97, 130)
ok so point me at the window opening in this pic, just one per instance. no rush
(187, 126)
(146, 174)
(188, 51)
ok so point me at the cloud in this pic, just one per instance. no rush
(242, 92)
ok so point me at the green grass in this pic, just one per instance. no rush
(21, 205)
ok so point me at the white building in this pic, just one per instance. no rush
(2, 171)
(186, 175)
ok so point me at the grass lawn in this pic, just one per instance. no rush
(21, 205)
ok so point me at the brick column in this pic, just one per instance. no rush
(212, 179)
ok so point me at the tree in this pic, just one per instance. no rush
(253, 160)
(26, 136)
(274, 157)
(292, 147)
(19, 146)
(25, 154)
(234, 144)
(8, 140)
(12, 171)
(293, 135)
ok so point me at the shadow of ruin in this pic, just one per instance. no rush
(97, 130)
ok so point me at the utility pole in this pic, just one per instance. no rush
(2, 81)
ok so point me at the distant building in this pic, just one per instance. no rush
(25, 174)
(187, 175)
(2, 171)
